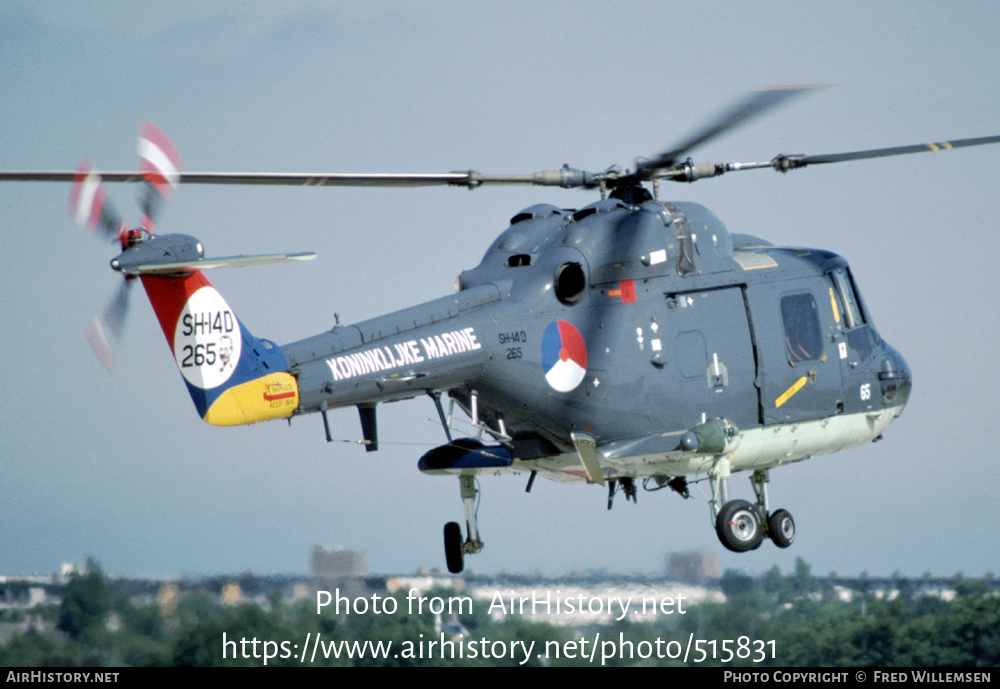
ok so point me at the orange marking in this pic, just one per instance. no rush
(624, 291)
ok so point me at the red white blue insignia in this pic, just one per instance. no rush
(564, 356)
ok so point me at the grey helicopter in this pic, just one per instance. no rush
(630, 342)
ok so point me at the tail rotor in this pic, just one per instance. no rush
(90, 207)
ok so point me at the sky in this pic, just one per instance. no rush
(120, 468)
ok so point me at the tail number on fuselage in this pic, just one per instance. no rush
(207, 340)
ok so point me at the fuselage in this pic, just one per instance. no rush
(631, 324)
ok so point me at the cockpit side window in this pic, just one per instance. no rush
(859, 335)
(852, 314)
(803, 339)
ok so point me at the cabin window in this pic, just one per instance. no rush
(570, 283)
(803, 341)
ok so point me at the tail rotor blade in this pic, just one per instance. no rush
(89, 205)
(160, 165)
(105, 330)
(159, 161)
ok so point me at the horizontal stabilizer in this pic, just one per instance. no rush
(206, 263)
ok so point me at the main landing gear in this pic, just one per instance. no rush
(740, 525)
(455, 549)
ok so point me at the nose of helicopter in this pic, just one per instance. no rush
(895, 379)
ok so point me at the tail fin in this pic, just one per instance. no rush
(234, 378)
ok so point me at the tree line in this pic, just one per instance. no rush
(804, 621)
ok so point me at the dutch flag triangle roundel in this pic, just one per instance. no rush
(564, 356)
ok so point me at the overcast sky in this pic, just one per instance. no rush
(121, 468)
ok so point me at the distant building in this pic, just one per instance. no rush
(232, 593)
(339, 564)
(694, 567)
(167, 597)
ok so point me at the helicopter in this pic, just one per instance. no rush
(631, 342)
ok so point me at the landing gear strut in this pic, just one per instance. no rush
(780, 525)
(740, 525)
(454, 549)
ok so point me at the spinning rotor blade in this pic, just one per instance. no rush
(741, 111)
(105, 330)
(565, 177)
(159, 161)
(89, 205)
(690, 171)
(160, 165)
(782, 163)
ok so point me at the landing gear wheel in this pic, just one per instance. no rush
(453, 547)
(739, 526)
(781, 528)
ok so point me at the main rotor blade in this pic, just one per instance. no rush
(278, 178)
(744, 109)
(565, 177)
(324, 179)
(690, 171)
(791, 162)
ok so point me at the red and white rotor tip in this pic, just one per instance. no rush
(105, 330)
(101, 343)
(87, 197)
(159, 161)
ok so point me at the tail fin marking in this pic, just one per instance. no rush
(233, 377)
